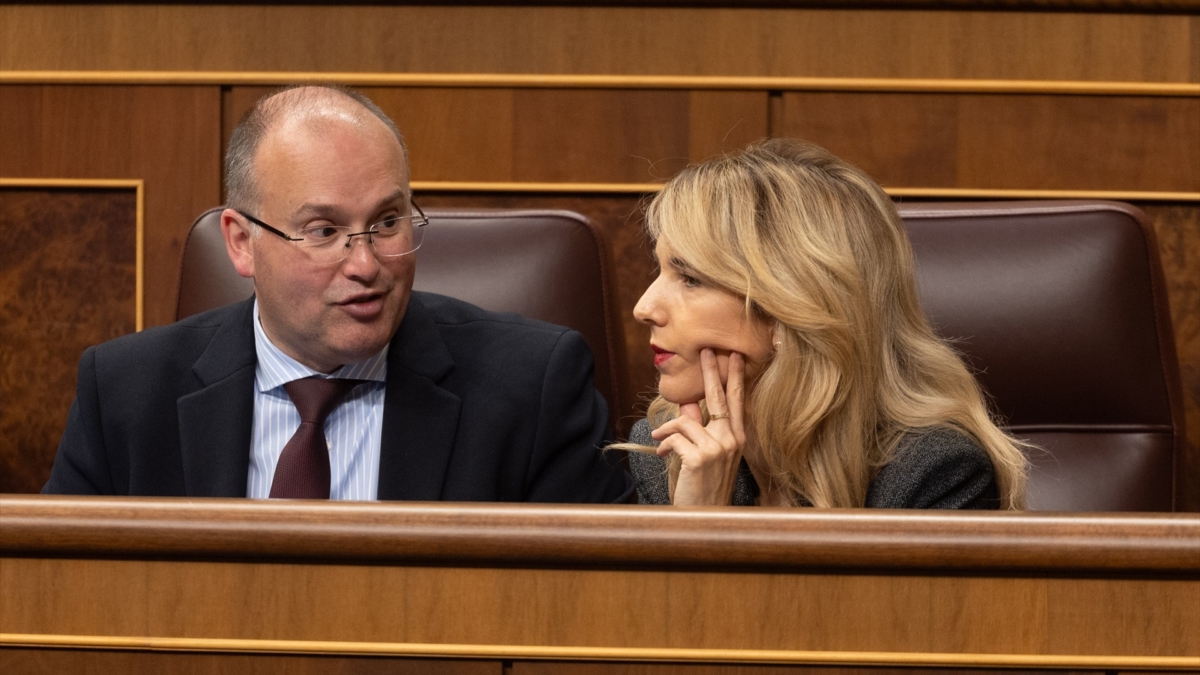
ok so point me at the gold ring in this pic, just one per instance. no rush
(719, 416)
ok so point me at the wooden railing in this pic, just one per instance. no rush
(519, 584)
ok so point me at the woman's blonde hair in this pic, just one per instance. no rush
(814, 244)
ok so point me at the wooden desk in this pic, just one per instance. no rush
(137, 584)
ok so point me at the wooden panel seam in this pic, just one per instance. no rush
(523, 80)
(598, 653)
(139, 187)
(919, 192)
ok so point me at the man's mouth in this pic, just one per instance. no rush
(660, 355)
(363, 306)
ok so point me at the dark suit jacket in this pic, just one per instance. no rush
(478, 407)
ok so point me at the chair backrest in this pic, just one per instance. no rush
(1061, 310)
(546, 265)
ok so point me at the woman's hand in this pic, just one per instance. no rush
(710, 454)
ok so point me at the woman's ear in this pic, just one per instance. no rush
(777, 336)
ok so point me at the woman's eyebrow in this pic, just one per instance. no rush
(681, 266)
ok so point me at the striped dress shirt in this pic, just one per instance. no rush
(352, 430)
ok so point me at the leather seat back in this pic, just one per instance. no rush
(1060, 309)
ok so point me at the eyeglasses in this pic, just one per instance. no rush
(329, 244)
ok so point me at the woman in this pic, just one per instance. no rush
(796, 366)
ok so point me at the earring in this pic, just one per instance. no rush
(778, 345)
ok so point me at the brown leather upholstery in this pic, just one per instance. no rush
(1060, 308)
(546, 265)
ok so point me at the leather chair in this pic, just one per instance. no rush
(546, 265)
(1061, 310)
(1058, 306)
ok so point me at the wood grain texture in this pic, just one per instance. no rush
(617, 40)
(67, 281)
(1140, 6)
(567, 668)
(494, 607)
(1005, 141)
(597, 135)
(1177, 228)
(1112, 545)
(18, 661)
(168, 136)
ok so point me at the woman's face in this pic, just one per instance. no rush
(687, 314)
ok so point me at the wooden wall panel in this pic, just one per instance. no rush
(671, 41)
(97, 662)
(1002, 141)
(566, 668)
(601, 136)
(611, 608)
(1177, 227)
(555, 135)
(167, 136)
(67, 281)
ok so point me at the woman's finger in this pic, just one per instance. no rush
(686, 426)
(735, 394)
(714, 393)
(706, 443)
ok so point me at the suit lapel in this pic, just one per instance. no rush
(215, 421)
(420, 418)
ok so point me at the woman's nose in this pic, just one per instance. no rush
(647, 309)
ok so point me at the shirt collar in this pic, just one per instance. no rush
(276, 368)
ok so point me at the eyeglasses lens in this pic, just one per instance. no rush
(389, 238)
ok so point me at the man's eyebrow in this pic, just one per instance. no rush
(402, 195)
(331, 210)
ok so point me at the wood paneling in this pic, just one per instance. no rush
(521, 581)
(96, 662)
(67, 281)
(167, 136)
(1006, 141)
(556, 135)
(1177, 227)
(778, 540)
(672, 41)
(566, 668)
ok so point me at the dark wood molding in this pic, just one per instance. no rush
(1117, 6)
(585, 536)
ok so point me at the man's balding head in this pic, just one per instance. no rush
(301, 106)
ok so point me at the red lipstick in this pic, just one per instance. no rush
(660, 355)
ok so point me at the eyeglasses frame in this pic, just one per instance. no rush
(424, 220)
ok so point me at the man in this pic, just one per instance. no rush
(336, 380)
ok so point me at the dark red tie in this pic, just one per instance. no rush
(303, 468)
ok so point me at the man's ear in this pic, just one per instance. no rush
(237, 232)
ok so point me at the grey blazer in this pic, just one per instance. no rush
(933, 468)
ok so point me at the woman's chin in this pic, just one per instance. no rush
(680, 395)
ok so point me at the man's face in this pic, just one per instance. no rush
(341, 172)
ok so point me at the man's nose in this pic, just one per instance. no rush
(361, 260)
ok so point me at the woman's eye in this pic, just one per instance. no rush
(689, 280)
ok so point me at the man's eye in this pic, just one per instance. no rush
(320, 233)
(388, 225)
